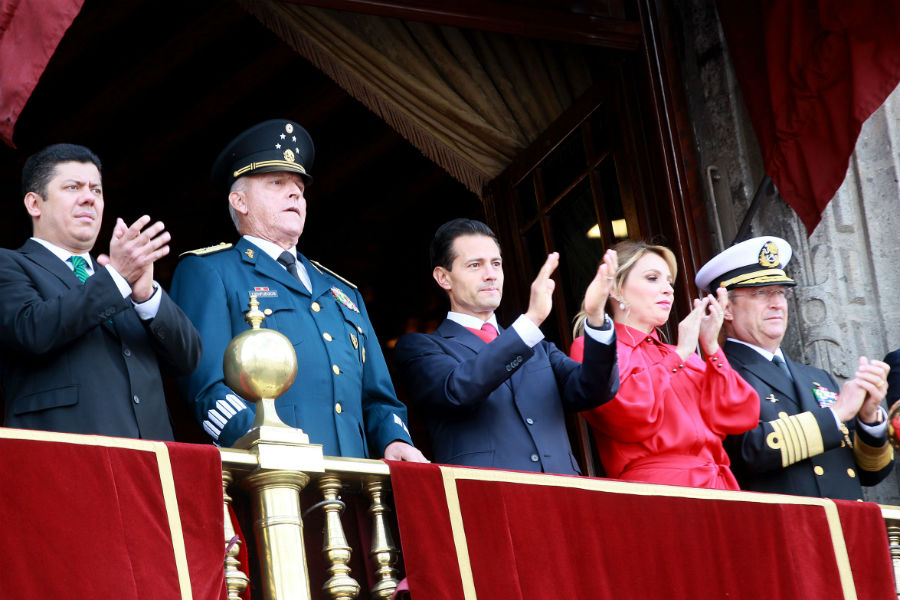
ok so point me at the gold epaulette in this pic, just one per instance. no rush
(320, 268)
(871, 458)
(207, 250)
(797, 437)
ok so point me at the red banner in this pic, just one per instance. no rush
(30, 30)
(98, 517)
(480, 533)
(811, 72)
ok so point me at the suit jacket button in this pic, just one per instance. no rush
(338, 408)
(315, 306)
(327, 336)
(336, 369)
(851, 473)
(818, 470)
(137, 399)
(126, 351)
(535, 458)
(530, 421)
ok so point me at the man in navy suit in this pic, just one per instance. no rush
(343, 397)
(82, 339)
(497, 398)
(813, 438)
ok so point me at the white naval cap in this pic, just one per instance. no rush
(755, 262)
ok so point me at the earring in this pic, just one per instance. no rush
(621, 304)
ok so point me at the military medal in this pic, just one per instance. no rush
(263, 292)
(824, 397)
(771, 398)
(343, 299)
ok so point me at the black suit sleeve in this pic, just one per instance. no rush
(174, 338)
(33, 324)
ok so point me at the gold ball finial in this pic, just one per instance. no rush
(259, 363)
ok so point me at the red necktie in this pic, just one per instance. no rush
(488, 332)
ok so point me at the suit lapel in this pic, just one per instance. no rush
(39, 255)
(267, 267)
(805, 384)
(320, 284)
(744, 358)
(453, 330)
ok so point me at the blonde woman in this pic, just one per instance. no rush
(674, 408)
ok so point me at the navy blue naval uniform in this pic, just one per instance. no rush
(343, 396)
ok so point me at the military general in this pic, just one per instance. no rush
(343, 396)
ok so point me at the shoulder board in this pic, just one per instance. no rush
(322, 269)
(208, 250)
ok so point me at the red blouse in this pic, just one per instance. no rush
(667, 423)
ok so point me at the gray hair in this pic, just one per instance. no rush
(239, 185)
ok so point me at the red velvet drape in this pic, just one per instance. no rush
(811, 71)
(534, 536)
(84, 517)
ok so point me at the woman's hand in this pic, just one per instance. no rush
(689, 329)
(711, 322)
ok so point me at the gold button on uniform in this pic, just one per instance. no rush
(851, 472)
(819, 470)
(782, 415)
(337, 408)
(315, 306)
(336, 369)
(327, 336)
(359, 328)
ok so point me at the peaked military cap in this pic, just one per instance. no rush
(755, 262)
(275, 145)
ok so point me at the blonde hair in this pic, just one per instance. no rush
(628, 253)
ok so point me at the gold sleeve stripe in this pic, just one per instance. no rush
(871, 458)
(797, 438)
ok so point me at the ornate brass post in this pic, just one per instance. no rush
(260, 364)
(340, 585)
(236, 581)
(891, 516)
(383, 552)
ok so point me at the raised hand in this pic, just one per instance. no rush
(542, 291)
(600, 288)
(711, 321)
(689, 328)
(134, 249)
(872, 376)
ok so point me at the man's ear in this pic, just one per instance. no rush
(726, 310)
(442, 276)
(238, 201)
(33, 204)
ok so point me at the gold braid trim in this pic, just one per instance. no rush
(872, 458)
(758, 277)
(797, 438)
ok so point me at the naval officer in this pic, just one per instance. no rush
(343, 396)
(814, 438)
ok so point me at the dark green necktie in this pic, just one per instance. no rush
(79, 267)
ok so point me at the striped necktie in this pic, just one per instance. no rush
(79, 267)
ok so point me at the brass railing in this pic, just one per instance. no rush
(275, 495)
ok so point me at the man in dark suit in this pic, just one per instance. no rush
(82, 339)
(813, 438)
(495, 397)
(343, 397)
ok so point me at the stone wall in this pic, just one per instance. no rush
(847, 301)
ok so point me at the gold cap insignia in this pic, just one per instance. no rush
(289, 155)
(768, 255)
(289, 128)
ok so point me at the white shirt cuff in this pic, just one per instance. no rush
(145, 310)
(603, 336)
(878, 429)
(530, 333)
